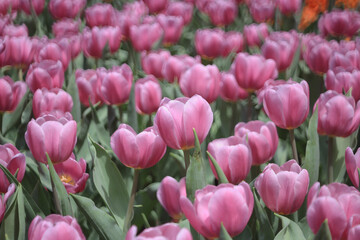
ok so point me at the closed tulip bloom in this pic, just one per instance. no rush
(144, 36)
(116, 84)
(14, 161)
(72, 174)
(57, 50)
(234, 42)
(261, 137)
(252, 71)
(288, 7)
(51, 135)
(222, 12)
(156, 6)
(227, 204)
(99, 15)
(66, 27)
(15, 30)
(18, 51)
(11, 94)
(138, 151)
(153, 62)
(7, 5)
(283, 188)
(338, 114)
(255, 34)
(166, 231)
(343, 81)
(229, 88)
(36, 5)
(175, 120)
(202, 80)
(176, 65)
(66, 8)
(180, 9)
(46, 74)
(54, 100)
(3, 199)
(348, 60)
(262, 10)
(147, 95)
(55, 227)
(169, 194)
(339, 23)
(172, 27)
(233, 156)
(89, 86)
(352, 162)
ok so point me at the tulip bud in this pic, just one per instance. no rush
(89, 86)
(176, 65)
(144, 36)
(221, 12)
(11, 94)
(18, 51)
(147, 95)
(262, 10)
(255, 34)
(287, 7)
(352, 163)
(348, 60)
(342, 81)
(165, 231)
(32, 5)
(15, 30)
(229, 88)
(180, 9)
(153, 62)
(3, 199)
(99, 15)
(58, 49)
(156, 6)
(172, 27)
(66, 27)
(66, 8)
(339, 23)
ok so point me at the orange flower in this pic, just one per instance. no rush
(347, 3)
(311, 11)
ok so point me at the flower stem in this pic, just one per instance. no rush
(330, 159)
(149, 122)
(1, 121)
(249, 108)
(120, 114)
(131, 201)
(293, 145)
(186, 158)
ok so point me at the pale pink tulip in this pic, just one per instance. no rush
(168, 231)
(147, 95)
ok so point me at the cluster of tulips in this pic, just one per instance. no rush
(252, 107)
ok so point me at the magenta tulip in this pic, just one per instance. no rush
(153, 62)
(262, 10)
(9, 5)
(343, 81)
(221, 12)
(229, 88)
(352, 162)
(147, 95)
(15, 30)
(99, 14)
(169, 194)
(172, 27)
(255, 34)
(51, 135)
(144, 36)
(338, 114)
(55, 227)
(345, 59)
(66, 27)
(89, 86)
(175, 120)
(180, 9)
(227, 204)
(156, 6)
(288, 7)
(261, 137)
(3, 199)
(138, 151)
(18, 51)
(11, 94)
(14, 161)
(57, 50)
(176, 65)
(32, 5)
(339, 23)
(168, 231)
(283, 189)
(66, 8)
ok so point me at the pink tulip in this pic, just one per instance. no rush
(261, 137)
(15, 30)
(340, 81)
(221, 12)
(287, 7)
(66, 8)
(138, 151)
(18, 51)
(54, 100)
(153, 62)
(176, 65)
(89, 86)
(147, 95)
(169, 194)
(227, 204)
(166, 231)
(262, 10)
(202, 80)
(3, 199)
(32, 5)
(55, 227)
(283, 189)
(172, 27)
(46, 74)
(144, 36)
(180, 9)
(337, 203)
(234, 42)
(252, 71)
(348, 60)
(57, 50)
(7, 5)
(287, 105)
(48, 134)
(11, 94)
(72, 174)
(66, 27)
(229, 88)
(156, 6)
(75, 41)
(180, 116)
(14, 161)
(116, 84)
(99, 15)
(233, 156)
(352, 165)
(255, 34)
(354, 229)
(339, 23)
(338, 114)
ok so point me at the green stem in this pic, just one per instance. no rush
(255, 171)
(249, 108)
(330, 159)
(149, 122)
(293, 145)
(234, 116)
(186, 158)
(20, 74)
(120, 114)
(131, 201)
(1, 121)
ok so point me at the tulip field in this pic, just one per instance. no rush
(179, 119)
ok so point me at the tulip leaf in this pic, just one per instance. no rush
(61, 197)
(104, 224)
(224, 235)
(245, 235)
(26, 114)
(312, 155)
(219, 171)
(12, 119)
(289, 231)
(110, 184)
(9, 176)
(96, 129)
(72, 89)
(324, 232)
(131, 110)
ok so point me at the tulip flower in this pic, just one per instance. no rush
(138, 151)
(147, 95)
(261, 137)
(11, 94)
(3, 199)
(169, 194)
(15, 30)
(66, 8)
(72, 174)
(283, 188)
(58, 49)
(287, 7)
(343, 81)
(55, 227)
(66, 27)
(166, 231)
(339, 23)
(153, 62)
(89, 86)
(47, 101)
(180, 9)
(172, 27)
(175, 120)
(51, 135)
(144, 36)
(46, 74)
(7, 5)
(352, 162)
(18, 51)
(99, 15)
(348, 60)
(156, 6)
(233, 156)
(229, 88)
(221, 12)
(227, 204)
(262, 10)
(174, 66)
(255, 34)
(14, 161)
(338, 114)
(32, 5)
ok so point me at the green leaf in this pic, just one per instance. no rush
(110, 184)
(303, 224)
(74, 93)
(219, 171)
(9, 176)
(104, 224)
(290, 230)
(97, 130)
(12, 119)
(324, 232)
(312, 156)
(224, 235)
(26, 114)
(61, 197)
(21, 213)
(245, 235)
